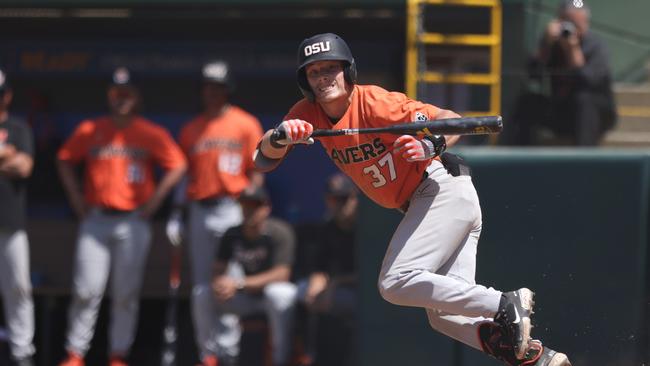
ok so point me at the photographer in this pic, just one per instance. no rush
(581, 103)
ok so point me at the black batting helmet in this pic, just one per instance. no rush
(322, 47)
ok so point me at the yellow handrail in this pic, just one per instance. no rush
(460, 39)
(484, 3)
(416, 37)
(476, 79)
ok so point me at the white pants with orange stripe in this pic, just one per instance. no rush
(207, 224)
(115, 245)
(16, 290)
(431, 259)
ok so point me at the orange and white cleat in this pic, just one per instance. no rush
(73, 359)
(210, 360)
(117, 361)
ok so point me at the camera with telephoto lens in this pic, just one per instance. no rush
(567, 29)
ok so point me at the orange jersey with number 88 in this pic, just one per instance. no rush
(220, 153)
(368, 159)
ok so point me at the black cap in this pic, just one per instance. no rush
(340, 185)
(4, 83)
(254, 193)
(121, 76)
(572, 4)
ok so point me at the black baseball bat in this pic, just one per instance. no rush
(482, 125)
(170, 332)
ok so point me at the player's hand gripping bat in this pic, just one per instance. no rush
(170, 332)
(450, 126)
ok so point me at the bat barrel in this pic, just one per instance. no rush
(451, 126)
(463, 126)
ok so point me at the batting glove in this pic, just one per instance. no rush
(174, 228)
(296, 131)
(416, 150)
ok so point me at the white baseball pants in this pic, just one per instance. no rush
(115, 245)
(277, 302)
(16, 290)
(431, 259)
(207, 224)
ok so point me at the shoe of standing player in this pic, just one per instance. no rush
(538, 355)
(514, 313)
(117, 361)
(210, 360)
(73, 359)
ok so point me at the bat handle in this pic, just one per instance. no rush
(278, 135)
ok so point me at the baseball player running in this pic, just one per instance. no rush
(119, 197)
(431, 259)
(16, 163)
(219, 145)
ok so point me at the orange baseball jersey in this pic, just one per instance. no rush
(220, 153)
(368, 158)
(119, 161)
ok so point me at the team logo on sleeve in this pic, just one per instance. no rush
(420, 117)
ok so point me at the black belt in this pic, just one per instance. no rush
(211, 201)
(113, 211)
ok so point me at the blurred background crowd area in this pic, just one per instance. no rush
(60, 55)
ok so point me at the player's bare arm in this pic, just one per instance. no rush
(17, 165)
(6, 151)
(443, 114)
(72, 188)
(166, 184)
(256, 178)
(318, 281)
(224, 287)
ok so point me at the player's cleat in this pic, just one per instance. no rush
(210, 360)
(514, 313)
(73, 359)
(496, 342)
(538, 355)
(117, 361)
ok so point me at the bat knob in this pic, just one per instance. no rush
(278, 135)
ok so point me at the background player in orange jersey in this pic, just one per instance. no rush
(119, 197)
(219, 145)
(431, 259)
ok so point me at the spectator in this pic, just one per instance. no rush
(331, 289)
(16, 163)
(264, 248)
(581, 106)
(118, 200)
(219, 145)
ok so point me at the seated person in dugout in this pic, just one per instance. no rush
(264, 248)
